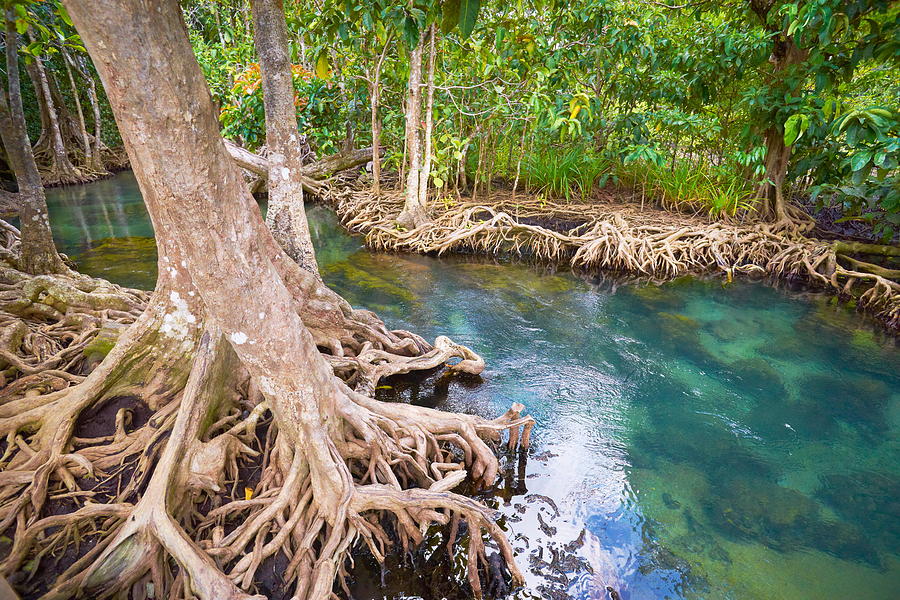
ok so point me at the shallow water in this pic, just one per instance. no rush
(693, 440)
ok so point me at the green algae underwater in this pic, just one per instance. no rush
(694, 440)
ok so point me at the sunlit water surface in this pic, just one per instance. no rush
(693, 440)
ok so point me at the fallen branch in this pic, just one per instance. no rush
(863, 248)
(871, 268)
(313, 174)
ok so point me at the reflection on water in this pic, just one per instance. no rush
(693, 440)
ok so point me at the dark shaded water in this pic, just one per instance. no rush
(692, 440)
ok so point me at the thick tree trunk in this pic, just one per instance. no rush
(61, 168)
(286, 216)
(771, 190)
(429, 120)
(375, 99)
(38, 253)
(86, 142)
(785, 54)
(190, 185)
(413, 213)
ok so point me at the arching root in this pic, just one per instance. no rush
(164, 492)
(622, 237)
(372, 365)
(391, 460)
(396, 464)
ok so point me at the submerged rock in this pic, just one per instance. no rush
(670, 502)
(867, 498)
(762, 511)
(845, 541)
(858, 401)
(757, 376)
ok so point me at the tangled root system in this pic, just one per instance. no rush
(624, 237)
(208, 473)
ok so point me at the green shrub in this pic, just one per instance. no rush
(716, 191)
(559, 173)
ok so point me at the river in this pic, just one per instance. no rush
(694, 440)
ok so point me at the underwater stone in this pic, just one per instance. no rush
(758, 377)
(670, 502)
(857, 401)
(763, 511)
(868, 498)
(845, 541)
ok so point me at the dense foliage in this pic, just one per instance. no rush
(685, 104)
(675, 100)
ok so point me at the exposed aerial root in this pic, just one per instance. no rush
(10, 238)
(52, 174)
(162, 500)
(396, 466)
(371, 364)
(626, 238)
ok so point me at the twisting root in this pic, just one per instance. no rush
(10, 239)
(166, 491)
(621, 237)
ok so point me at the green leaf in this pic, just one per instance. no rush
(794, 127)
(322, 69)
(21, 26)
(410, 32)
(829, 109)
(367, 21)
(468, 13)
(859, 160)
(450, 10)
(64, 15)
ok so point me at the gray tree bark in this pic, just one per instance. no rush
(413, 213)
(286, 216)
(198, 202)
(429, 120)
(86, 142)
(38, 252)
(375, 101)
(62, 170)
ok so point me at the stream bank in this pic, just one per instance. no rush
(694, 440)
(610, 234)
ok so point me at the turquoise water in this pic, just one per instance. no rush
(693, 440)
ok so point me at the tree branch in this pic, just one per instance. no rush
(863, 248)
(312, 174)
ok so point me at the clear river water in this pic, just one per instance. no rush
(694, 440)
